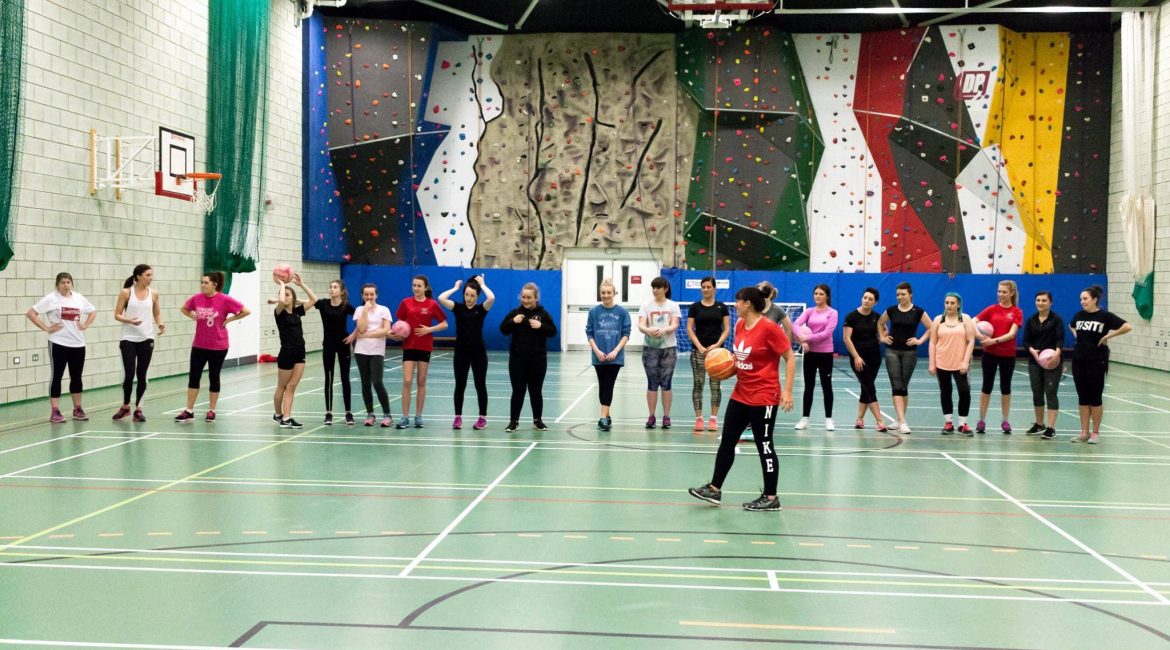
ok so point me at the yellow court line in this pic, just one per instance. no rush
(764, 543)
(667, 539)
(801, 628)
(139, 497)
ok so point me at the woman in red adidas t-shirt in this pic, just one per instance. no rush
(425, 317)
(759, 346)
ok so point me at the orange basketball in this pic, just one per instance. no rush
(720, 364)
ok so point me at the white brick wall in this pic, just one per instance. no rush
(1149, 344)
(126, 68)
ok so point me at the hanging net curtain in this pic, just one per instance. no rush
(1137, 152)
(237, 125)
(11, 64)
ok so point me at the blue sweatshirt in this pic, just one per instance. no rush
(606, 327)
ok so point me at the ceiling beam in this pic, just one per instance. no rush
(463, 14)
(531, 6)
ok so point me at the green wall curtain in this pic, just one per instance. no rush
(11, 66)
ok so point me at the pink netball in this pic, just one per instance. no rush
(400, 328)
(1049, 359)
(985, 328)
(283, 272)
(803, 332)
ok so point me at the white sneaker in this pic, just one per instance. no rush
(904, 427)
(802, 424)
(829, 426)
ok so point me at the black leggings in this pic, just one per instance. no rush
(867, 376)
(62, 357)
(343, 358)
(136, 357)
(370, 367)
(763, 422)
(944, 387)
(1045, 384)
(1006, 366)
(606, 378)
(818, 363)
(527, 375)
(1089, 378)
(476, 361)
(213, 359)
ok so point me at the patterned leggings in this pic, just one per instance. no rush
(700, 374)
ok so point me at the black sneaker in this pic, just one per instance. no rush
(276, 417)
(185, 416)
(328, 419)
(605, 424)
(512, 426)
(1035, 429)
(349, 421)
(763, 504)
(290, 424)
(1049, 433)
(706, 493)
(539, 425)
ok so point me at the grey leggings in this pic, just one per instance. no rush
(1045, 384)
(900, 367)
(700, 373)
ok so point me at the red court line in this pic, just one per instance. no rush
(620, 502)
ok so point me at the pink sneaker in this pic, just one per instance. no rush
(713, 424)
(480, 423)
(210, 417)
(55, 417)
(369, 421)
(699, 423)
(1093, 439)
(387, 422)
(122, 412)
(79, 414)
(458, 423)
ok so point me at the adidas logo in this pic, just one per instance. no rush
(741, 355)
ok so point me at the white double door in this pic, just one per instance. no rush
(581, 280)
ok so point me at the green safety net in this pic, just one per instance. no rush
(11, 60)
(237, 124)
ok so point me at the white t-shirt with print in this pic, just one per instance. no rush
(375, 346)
(69, 312)
(661, 315)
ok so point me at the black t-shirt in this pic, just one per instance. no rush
(292, 337)
(334, 321)
(904, 325)
(1048, 335)
(469, 326)
(708, 321)
(1090, 329)
(865, 332)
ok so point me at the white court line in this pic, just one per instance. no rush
(1122, 399)
(466, 511)
(84, 453)
(298, 394)
(1058, 530)
(43, 442)
(575, 402)
(223, 398)
(772, 581)
(98, 644)
(582, 583)
(884, 414)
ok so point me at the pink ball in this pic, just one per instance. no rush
(1049, 359)
(284, 272)
(400, 328)
(985, 328)
(803, 332)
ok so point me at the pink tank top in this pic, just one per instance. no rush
(950, 344)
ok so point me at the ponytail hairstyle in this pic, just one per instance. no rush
(426, 283)
(754, 296)
(216, 278)
(1011, 285)
(956, 296)
(531, 286)
(766, 290)
(1095, 292)
(473, 284)
(344, 292)
(138, 271)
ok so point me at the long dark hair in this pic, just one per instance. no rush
(217, 278)
(828, 293)
(138, 271)
(344, 292)
(753, 295)
(426, 283)
(472, 283)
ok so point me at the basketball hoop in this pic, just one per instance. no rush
(718, 14)
(201, 196)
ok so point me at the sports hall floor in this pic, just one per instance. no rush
(159, 535)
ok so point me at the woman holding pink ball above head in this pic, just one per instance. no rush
(290, 361)
(470, 349)
(369, 351)
(211, 311)
(424, 317)
(999, 351)
(66, 315)
(1044, 338)
(137, 309)
(814, 330)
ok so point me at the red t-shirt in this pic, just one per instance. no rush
(757, 360)
(1002, 319)
(420, 313)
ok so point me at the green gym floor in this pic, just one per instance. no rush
(238, 533)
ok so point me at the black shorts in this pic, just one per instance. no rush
(288, 359)
(421, 356)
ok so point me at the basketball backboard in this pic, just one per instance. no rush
(176, 158)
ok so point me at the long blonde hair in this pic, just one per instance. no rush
(1011, 285)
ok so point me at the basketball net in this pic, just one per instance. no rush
(201, 197)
